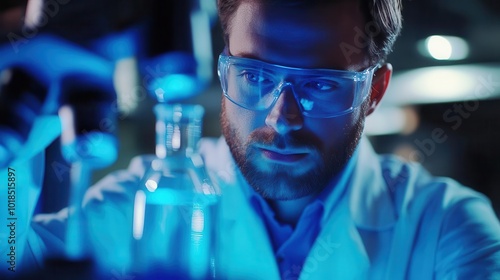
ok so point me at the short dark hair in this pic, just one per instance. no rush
(384, 16)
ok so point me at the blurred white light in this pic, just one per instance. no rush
(139, 211)
(198, 220)
(151, 185)
(449, 83)
(176, 138)
(439, 47)
(444, 83)
(385, 120)
(126, 82)
(436, 84)
(445, 47)
(34, 13)
(153, 181)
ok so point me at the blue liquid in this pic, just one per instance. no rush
(178, 237)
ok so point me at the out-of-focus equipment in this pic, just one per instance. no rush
(88, 143)
(42, 72)
(78, 84)
(176, 205)
(180, 49)
(31, 84)
(21, 99)
(175, 64)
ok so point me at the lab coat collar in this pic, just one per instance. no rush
(245, 249)
(339, 251)
(370, 200)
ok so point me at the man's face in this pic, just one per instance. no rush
(283, 154)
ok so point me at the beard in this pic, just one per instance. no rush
(280, 182)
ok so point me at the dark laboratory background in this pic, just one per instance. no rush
(442, 108)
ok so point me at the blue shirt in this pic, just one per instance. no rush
(292, 245)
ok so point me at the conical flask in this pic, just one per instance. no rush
(176, 205)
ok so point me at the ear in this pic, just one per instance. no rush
(380, 82)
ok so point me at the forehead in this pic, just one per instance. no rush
(297, 36)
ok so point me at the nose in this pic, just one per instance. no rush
(285, 114)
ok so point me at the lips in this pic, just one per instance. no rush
(283, 156)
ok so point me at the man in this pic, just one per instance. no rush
(307, 197)
(330, 207)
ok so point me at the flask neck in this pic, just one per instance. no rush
(178, 129)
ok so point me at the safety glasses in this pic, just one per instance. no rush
(320, 93)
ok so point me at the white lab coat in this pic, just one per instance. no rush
(396, 222)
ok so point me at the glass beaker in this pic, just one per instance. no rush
(176, 205)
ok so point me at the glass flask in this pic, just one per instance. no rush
(175, 207)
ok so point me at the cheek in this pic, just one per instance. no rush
(329, 128)
(242, 120)
(336, 131)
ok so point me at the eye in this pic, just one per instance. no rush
(321, 85)
(255, 77)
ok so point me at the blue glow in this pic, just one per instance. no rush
(168, 197)
(120, 45)
(5, 156)
(307, 104)
(199, 251)
(50, 58)
(45, 129)
(177, 86)
(173, 76)
(76, 232)
(95, 148)
(10, 142)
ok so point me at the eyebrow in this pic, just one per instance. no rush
(241, 54)
(247, 55)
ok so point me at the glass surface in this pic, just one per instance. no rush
(175, 208)
(322, 93)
